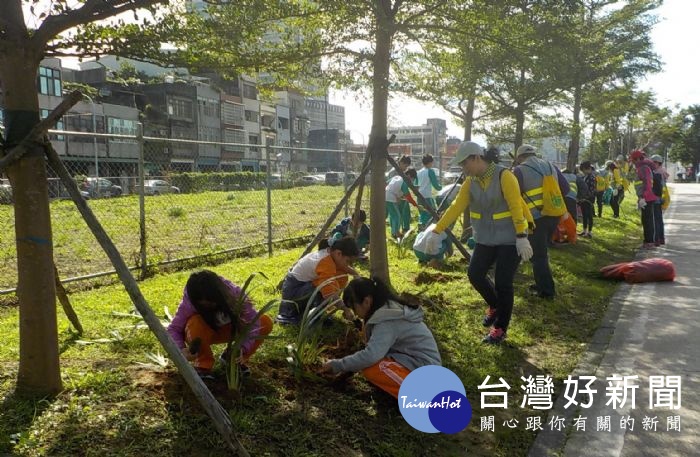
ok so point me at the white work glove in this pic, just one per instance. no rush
(614, 191)
(522, 245)
(641, 204)
(431, 228)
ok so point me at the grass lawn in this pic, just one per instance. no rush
(116, 402)
(177, 226)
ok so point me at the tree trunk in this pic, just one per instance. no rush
(39, 369)
(572, 160)
(379, 265)
(519, 126)
(469, 119)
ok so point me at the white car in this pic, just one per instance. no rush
(452, 174)
(310, 180)
(158, 187)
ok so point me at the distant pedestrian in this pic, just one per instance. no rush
(616, 183)
(646, 197)
(397, 340)
(660, 176)
(427, 181)
(586, 196)
(395, 193)
(403, 206)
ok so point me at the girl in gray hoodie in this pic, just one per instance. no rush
(398, 341)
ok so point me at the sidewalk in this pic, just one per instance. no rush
(650, 329)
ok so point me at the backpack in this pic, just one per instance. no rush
(552, 199)
(657, 185)
(607, 196)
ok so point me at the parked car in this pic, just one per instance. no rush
(452, 174)
(334, 178)
(158, 187)
(310, 180)
(5, 191)
(101, 187)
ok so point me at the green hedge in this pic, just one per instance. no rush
(202, 182)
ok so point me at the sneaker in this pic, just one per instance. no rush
(662, 241)
(288, 320)
(224, 359)
(495, 336)
(583, 233)
(244, 370)
(589, 235)
(204, 374)
(490, 317)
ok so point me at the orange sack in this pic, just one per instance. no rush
(649, 270)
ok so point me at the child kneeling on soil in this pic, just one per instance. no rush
(345, 228)
(398, 341)
(210, 310)
(430, 248)
(332, 260)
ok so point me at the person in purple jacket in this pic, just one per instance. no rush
(210, 310)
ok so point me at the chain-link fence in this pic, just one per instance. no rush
(198, 199)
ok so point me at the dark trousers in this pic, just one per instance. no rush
(648, 222)
(295, 296)
(587, 215)
(571, 208)
(544, 229)
(599, 202)
(498, 294)
(615, 202)
(659, 236)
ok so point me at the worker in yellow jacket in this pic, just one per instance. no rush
(500, 220)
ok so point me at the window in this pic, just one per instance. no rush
(49, 81)
(251, 116)
(250, 91)
(208, 107)
(234, 136)
(233, 113)
(83, 123)
(118, 126)
(253, 139)
(180, 107)
(59, 125)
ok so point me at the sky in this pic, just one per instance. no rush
(675, 40)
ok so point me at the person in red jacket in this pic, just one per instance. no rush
(644, 187)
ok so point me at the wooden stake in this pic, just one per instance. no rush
(65, 303)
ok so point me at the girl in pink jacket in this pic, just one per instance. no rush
(210, 310)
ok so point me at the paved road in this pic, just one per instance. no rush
(650, 329)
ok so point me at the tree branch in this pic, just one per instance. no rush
(91, 11)
(39, 130)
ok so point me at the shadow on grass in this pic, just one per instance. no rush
(17, 415)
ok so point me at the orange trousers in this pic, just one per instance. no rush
(196, 327)
(387, 374)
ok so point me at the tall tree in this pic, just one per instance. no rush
(21, 51)
(353, 44)
(605, 41)
(686, 148)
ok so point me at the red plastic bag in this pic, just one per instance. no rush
(649, 270)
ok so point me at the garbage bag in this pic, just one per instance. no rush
(648, 270)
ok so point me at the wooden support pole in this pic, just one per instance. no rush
(335, 212)
(217, 413)
(427, 207)
(358, 199)
(65, 303)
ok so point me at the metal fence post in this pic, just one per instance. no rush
(142, 204)
(269, 196)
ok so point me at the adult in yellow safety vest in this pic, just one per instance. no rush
(500, 226)
(617, 186)
(532, 173)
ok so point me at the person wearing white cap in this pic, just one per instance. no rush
(660, 175)
(500, 226)
(530, 172)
